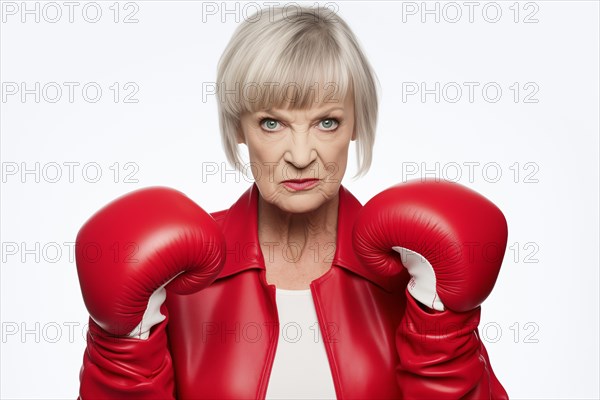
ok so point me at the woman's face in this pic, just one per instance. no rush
(299, 157)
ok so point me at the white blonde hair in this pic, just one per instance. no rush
(294, 47)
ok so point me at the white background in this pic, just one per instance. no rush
(540, 324)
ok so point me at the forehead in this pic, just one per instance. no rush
(318, 107)
(319, 97)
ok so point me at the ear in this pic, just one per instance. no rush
(240, 137)
(353, 135)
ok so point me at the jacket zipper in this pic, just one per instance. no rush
(326, 342)
(264, 380)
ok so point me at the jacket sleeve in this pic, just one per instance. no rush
(117, 367)
(441, 356)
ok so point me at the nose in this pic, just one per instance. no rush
(301, 151)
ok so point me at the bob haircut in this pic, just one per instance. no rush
(298, 49)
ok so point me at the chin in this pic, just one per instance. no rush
(300, 205)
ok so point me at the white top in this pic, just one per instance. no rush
(301, 368)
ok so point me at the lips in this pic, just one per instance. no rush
(300, 184)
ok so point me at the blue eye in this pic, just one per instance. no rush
(269, 124)
(330, 124)
(272, 125)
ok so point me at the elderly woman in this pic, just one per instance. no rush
(296, 291)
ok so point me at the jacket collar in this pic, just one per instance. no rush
(240, 227)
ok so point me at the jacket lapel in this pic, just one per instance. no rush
(240, 227)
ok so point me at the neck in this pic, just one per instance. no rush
(276, 225)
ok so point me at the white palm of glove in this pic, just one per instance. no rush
(422, 283)
(152, 315)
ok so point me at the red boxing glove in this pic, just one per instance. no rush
(128, 251)
(451, 240)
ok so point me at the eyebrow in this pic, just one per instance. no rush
(320, 115)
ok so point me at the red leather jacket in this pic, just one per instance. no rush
(220, 342)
